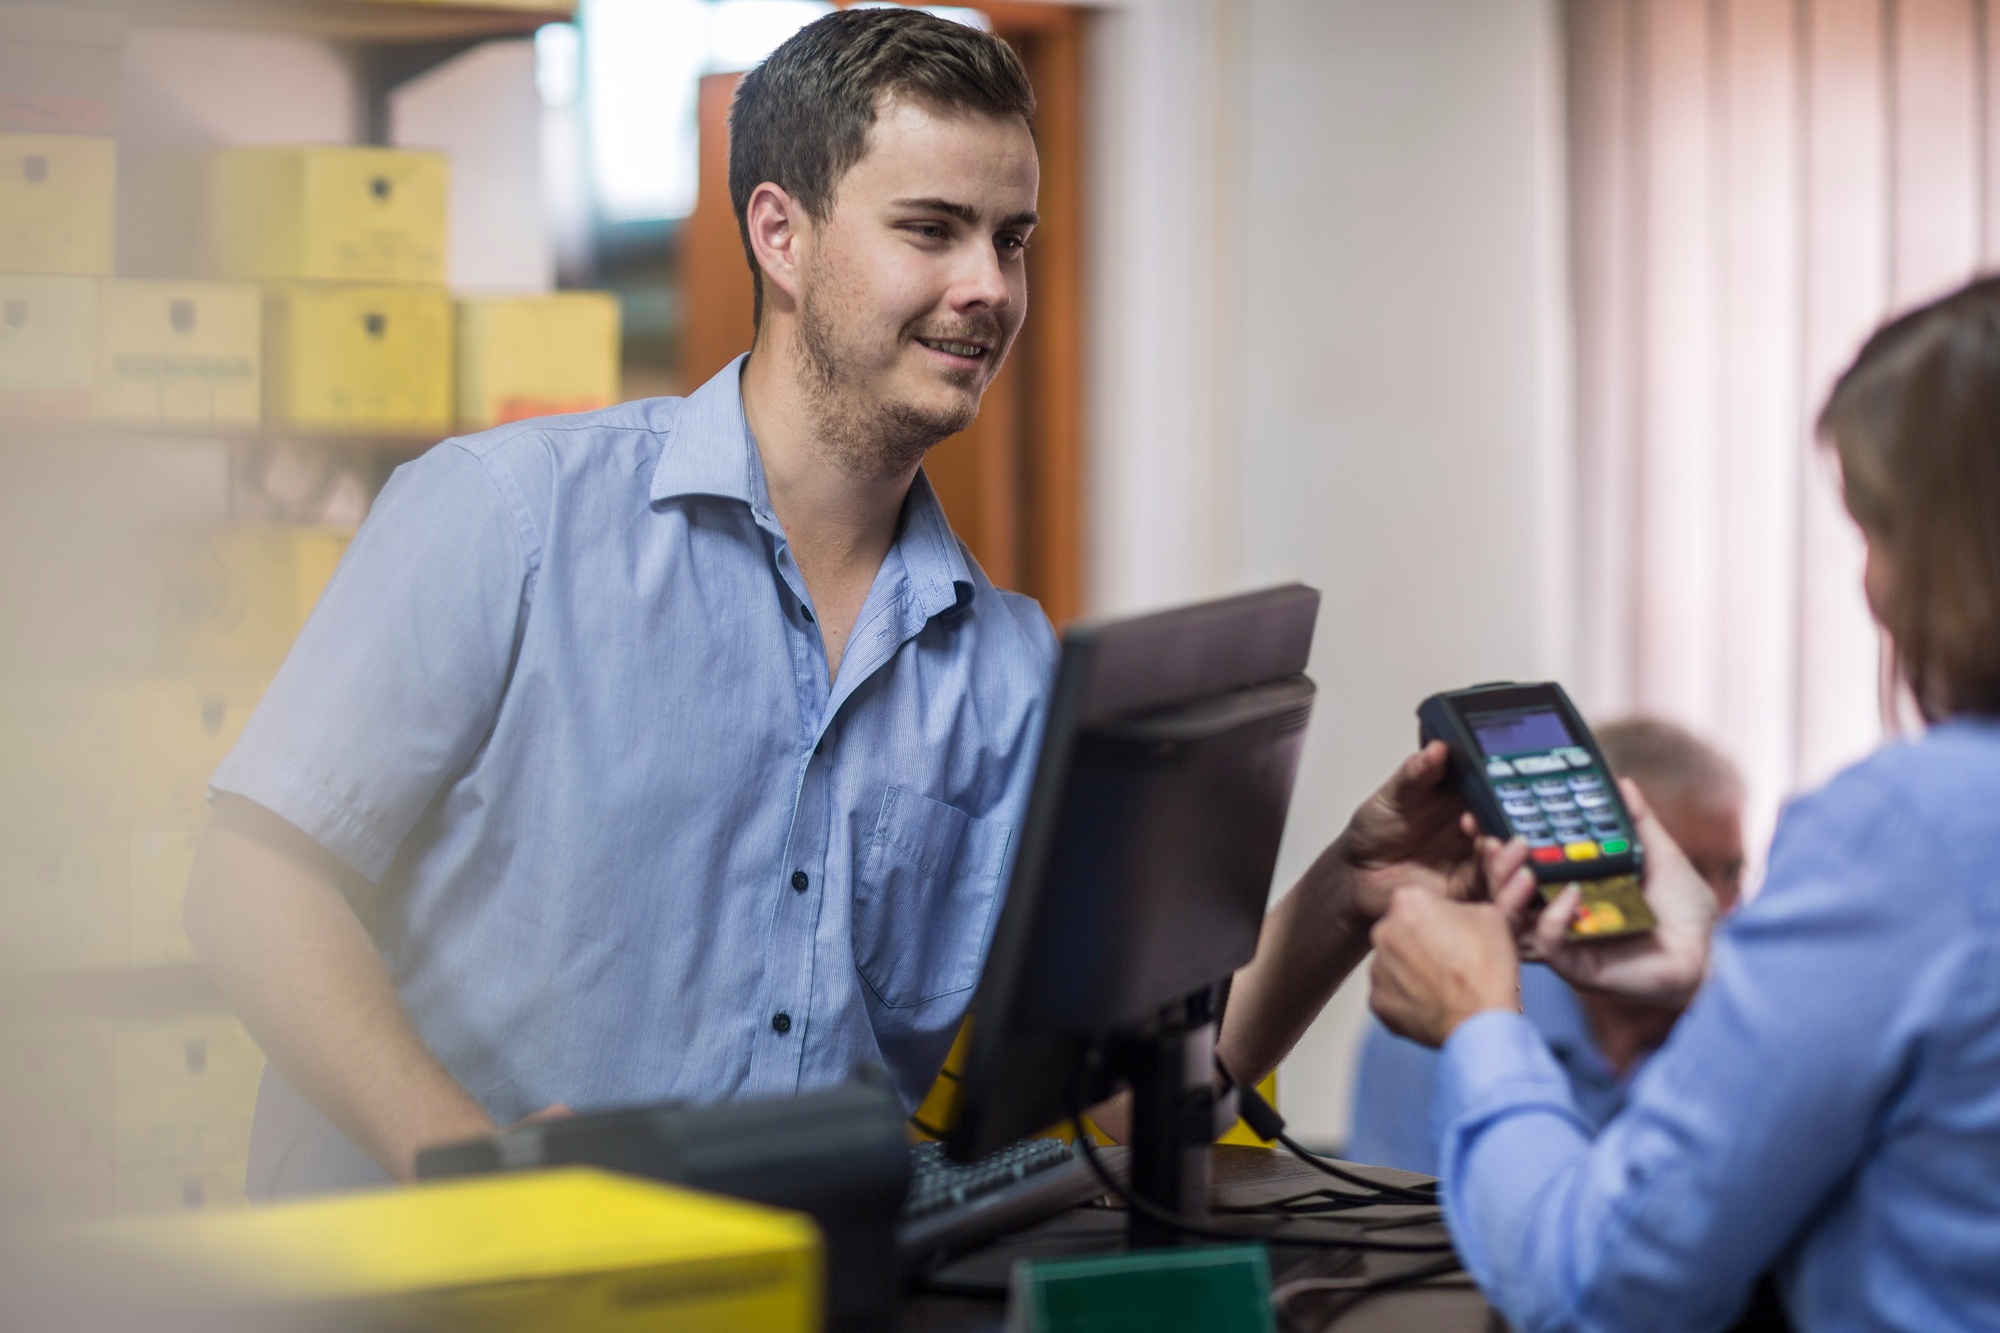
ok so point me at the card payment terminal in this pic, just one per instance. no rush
(1527, 765)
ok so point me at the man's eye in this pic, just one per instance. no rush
(1012, 244)
(930, 231)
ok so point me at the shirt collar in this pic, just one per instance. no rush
(940, 578)
(712, 452)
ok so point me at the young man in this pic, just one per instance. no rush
(1600, 1041)
(677, 750)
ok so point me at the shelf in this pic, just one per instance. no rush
(361, 21)
(117, 992)
(17, 428)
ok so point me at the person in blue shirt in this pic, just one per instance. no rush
(678, 750)
(1828, 1109)
(1600, 1040)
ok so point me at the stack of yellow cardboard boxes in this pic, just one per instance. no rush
(300, 286)
(299, 290)
(360, 333)
(103, 796)
(76, 342)
(57, 199)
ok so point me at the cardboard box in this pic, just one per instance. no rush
(534, 356)
(237, 596)
(48, 346)
(154, 1190)
(65, 758)
(62, 902)
(579, 1250)
(58, 203)
(326, 214)
(181, 729)
(358, 358)
(56, 1092)
(185, 1092)
(55, 1191)
(161, 862)
(181, 352)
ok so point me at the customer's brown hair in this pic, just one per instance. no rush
(1916, 424)
(801, 119)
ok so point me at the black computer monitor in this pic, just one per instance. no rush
(1145, 863)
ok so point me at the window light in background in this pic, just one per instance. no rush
(635, 67)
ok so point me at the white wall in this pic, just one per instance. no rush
(1329, 346)
(196, 88)
(483, 109)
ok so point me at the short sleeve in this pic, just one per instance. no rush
(397, 677)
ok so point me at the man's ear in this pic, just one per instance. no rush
(775, 221)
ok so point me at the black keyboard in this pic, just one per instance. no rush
(952, 1205)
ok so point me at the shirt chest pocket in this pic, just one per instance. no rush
(925, 897)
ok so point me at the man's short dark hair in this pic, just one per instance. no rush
(801, 119)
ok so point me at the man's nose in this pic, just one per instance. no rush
(981, 284)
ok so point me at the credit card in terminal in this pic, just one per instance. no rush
(1528, 767)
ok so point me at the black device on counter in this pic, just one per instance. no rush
(840, 1155)
(1527, 766)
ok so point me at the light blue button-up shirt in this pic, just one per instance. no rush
(1828, 1108)
(566, 702)
(1395, 1078)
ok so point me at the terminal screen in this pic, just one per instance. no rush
(1520, 731)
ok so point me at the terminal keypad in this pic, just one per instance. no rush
(1560, 804)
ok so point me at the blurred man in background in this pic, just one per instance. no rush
(1600, 1041)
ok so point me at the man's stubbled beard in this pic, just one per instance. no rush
(871, 437)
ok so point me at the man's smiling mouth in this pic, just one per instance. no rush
(972, 351)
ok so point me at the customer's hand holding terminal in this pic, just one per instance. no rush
(1665, 965)
(1529, 768)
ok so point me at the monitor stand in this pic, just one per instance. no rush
(1170, 1071)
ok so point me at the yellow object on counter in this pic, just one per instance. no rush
(535, 356)
(180, 352)
(237, 595)
(48, 345)
(359, 359)
(58, 203)
(579, 1250)
(325, 213)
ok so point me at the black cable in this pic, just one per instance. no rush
(1266, 1123)
(1421, 1195)
(1173, 1221)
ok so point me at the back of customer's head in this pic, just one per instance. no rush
(1916, 424)
(1692, 787)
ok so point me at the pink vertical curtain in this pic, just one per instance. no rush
(1755, 185)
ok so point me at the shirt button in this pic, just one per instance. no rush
(806, 611)
(799, 882)
(781, 1022)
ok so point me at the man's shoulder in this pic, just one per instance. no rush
(1015, 614)
(579, 436)
(533, 462)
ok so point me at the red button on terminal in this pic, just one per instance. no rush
(1547, 854)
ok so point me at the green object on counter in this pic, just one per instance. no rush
(1205, 1289)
